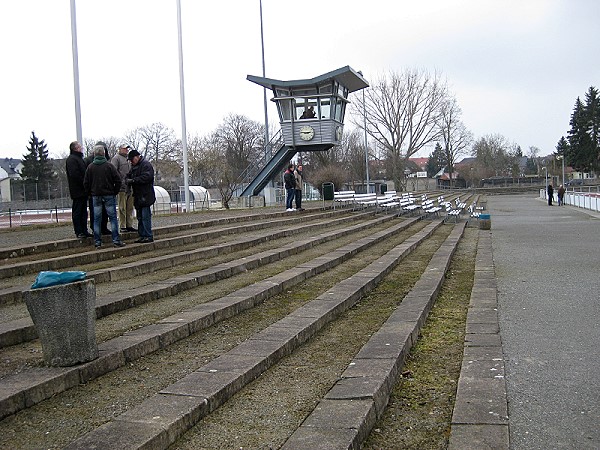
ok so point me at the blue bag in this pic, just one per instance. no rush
(46, 279)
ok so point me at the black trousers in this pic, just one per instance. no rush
(79, 215)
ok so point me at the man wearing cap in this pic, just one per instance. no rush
(141, 179)
(124, 199)
(102, 182)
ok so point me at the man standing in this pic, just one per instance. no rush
(76, 166)
(298, 193)
(124, 199)
(290, 187)
(141, 179)
(103, 182)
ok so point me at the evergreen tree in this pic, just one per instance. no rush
(583, 137)
(37, 168)
(592, 115)
(436, 161)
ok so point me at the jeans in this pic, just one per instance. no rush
(291, 193)
(108, 203)
(144, 217)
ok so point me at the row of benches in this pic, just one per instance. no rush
(406, 202)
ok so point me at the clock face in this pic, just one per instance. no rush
(307, 133)
(338, 133)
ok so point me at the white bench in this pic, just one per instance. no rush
(343, 197)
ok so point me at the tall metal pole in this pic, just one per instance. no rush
(76, 73)
(366, 142)
(186, 181)
(262, 46)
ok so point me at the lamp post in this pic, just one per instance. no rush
(562, 159)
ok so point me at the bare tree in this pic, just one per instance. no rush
(402, 111)
(215, 170)
(454, 136)
(242, 140)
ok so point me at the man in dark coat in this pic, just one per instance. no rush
(103, 182)
(76, 166)
(141, 179)
(289, 182)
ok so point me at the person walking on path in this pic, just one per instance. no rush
(76, 166)
(290, 187)
(561, 195)
(124, 198)
(141, 179)
(298, 190)
(550, 194)
(103, 182)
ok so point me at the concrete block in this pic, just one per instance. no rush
(65, 319)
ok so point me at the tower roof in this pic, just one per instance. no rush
(346, 76)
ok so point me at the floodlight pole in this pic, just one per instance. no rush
(262, 46)
(76, 73)
(186, 181)
(366, 142)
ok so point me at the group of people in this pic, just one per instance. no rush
(125, 182)
(292, 179)
(560, 192)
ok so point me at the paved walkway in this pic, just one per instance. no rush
(547, 265)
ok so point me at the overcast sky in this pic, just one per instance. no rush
(515, 66)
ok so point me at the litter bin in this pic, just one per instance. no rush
(65, 320)
(485, 222)
(328, 190)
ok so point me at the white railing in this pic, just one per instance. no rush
(584, 197)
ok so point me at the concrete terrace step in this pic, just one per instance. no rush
(348, 412)
(161, 419)
(21, 330)
(14, 294)
(28, 388)
(65, 244)
(16, 268)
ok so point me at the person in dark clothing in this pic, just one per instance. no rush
(561, 195)
(290, 187)
(141, 180)
(76, 166)
(104, 219)
(103, 182)
(550, 194)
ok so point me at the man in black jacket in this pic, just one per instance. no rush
(76, 166)
(103, 182)
(141, 179)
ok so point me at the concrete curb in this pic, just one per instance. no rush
(161, 419)
(480, 417)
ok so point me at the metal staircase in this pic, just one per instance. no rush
(258, 174)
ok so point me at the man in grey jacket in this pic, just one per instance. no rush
(125, 197)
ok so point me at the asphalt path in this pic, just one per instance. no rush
(547, 265)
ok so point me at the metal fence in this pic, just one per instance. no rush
(586, 197)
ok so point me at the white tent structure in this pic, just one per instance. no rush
(163, 201)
